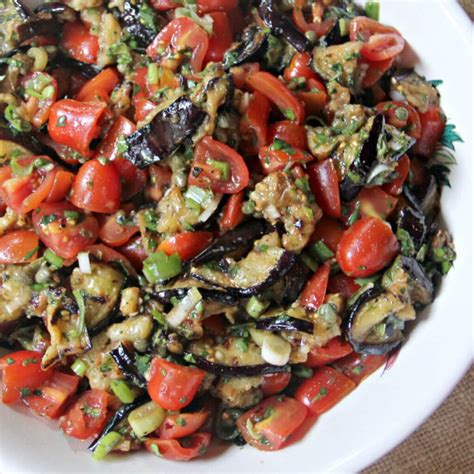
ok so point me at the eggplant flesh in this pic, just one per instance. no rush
(165, 295)
(126, 362)
(251, 46)
(168, 129)
(411, 230)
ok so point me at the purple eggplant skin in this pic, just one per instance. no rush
(164, 296)
(284, 323)
(23, 10)
(412, 222)
(295, 280)
(252, 45)
(168, 129)
(360, 347)
(237, 370)
(242, 236)
(125, 360)
(420, 286)
(38, 27)
(362, 164)
(54, 8)
(87, 70)
(282, 26)
(334, 36)
(26, 140)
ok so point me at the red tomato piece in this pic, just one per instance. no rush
(160, 178)
(289, 132)
(52, 395)
(18, 246)
(361, 28)
(178, 35)
(276, 159)
(402, 116)
(164, 5)
(277, 93)
(134, 252)
(114, 234)
(210, 158)
(64, 228)
(324, 182)
(87, 416)
(268, 425)
(335, 349)
(323, 390)
(373, 201)
(320, 28)
(432, 123)
(395, 188)
(366, 247)
(374, 70)
(382, 46)
(182, 450)
(61, 185)
(186, 244)
(300, 66)
(79, 43)
(329, 231)
(221, 37)
(75, 124)
(241, 72)
(314, 291)
(253, 124)
(232, 214)
(206, 6)
(97, 187)
(357, 367)
(110, 255)
(21, 374)
(275, 383)
(343, 284)
(173, 386)
(314, 97)
(181, 424)
(100, 86)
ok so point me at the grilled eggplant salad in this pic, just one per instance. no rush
(217, 216)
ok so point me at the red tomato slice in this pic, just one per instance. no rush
(61, 185)
(173, 386)
(109, 255)
(164, 5)
(232, 214)
(277, 93)
(335, 349)
(273, 159)
(75, 124)
(241, 72)
(361, 28)
(395, 188)
(382, 46)
(329, 231)
(114, 234)
(53, 394)
(109, 146)
(377, 200)
(314, 291)
(401, 115)
(64, 228)
(299, 67)
(366, 247)
(182, 450)
(97, 187)
(178, 35)
(324, 183)
(323, 390)
(99, 87)
(314, 97)
(79, 43)
(432, 123)
(289, 132)
(186, 244)
(275, 383)
(134, 252)
(87, 416)
(206, 6)
(209, 156)
(221, 37)
(320, 28)
(18, 246)
(181, 424)
(160, 178)
(22, 374)
(374, 70)
(253, 123)
(268, 425)
(358, 367)
(343, 284)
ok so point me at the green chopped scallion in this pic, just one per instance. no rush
(106, 444)
(160, 267)
(221, 166)
(321, 251)
(53, 259)
(256, 306)
(122, 391)
(372, 9)
(79, 367)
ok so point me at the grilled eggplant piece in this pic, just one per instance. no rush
(168, 129)
(38, 27)
(294, 281)
(125, 360)
(251, 46)
(284, 323)
(23, 10)
(376, 321)
(87, 70)
(335, 36)
(166, 294)
(25, 143)
(411, 230)
(280, 25)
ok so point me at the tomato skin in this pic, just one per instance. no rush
(277, 93)
(79, 422)
(54, 393)
(366, 247)
(375, 70)
(221, 38)
(289, 132)
(323, 390)
(65, 236)
(324, 183)
(203, 174)
(314, 291)
(61, 185)
(186, 244)
(320, 28)
(181, 425)
(16, 245)
(100, 86)
(97, 187)
(343, 284)
(275, 383)
(395, 188)
(114, 234)
(173, 450)
(134, 252)
(173, 386)
(24, 373)
(110, 255)
(164, 5)
(277, 160)
(160, 178)
(232, 214)
(253, 123)
(335, 349)
(432, 123)
(329, 231)
(314, 97)
(358, 367)
(241, 72)
(206, 6)
(75, 124)
(299, 67)
(411, 123)
(382, 46)
(361, 28)
(79, 43)
(373, 201)
(285, 418)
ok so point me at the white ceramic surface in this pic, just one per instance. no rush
(385, 409)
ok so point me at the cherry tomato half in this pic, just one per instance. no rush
(324, 183)
(314, 291)
(186, 244)
(335, 349)
(181, 424)
(382, 46)
(182, 450)
(18, 246)
(79, 43)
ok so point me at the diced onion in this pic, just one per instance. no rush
(376, 170)
(210, 208)
(272, 212)
(396, 95)
(275, 350)
(180, 312)
(84, 262)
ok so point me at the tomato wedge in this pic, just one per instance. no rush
(324, 183)
(335, 349)
(110, 255)
(186, 244)
(79, 43)
(221, 37)
(382, 46)
(18, 246)
(314, 291)
(253, 123)
(182, 450)
(219, 167)
(361, 28)
(395, 188)
(343, 284)
(280, 155)
(432, 124)
(320, 28)
(61, 185)
(289, 132)
(134, 252)
(313, 96)
(182, 424)
(114, 234)
(275, 383)
(329, 231)
(299, 67)
(232, 214)
(99, 87)
(358, 367)
(401, 115)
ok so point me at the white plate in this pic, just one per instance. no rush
(384, 410)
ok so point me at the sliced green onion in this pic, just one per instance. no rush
(53, 259)
(221, 166)
(152, 76)
(372, 9)
(19, 170)
(122, 391)
(309, 261)
(321, 251)
(11, 114)
(160, 267)
(197, 194)
(256, 306)
(79, 367)
(344, 26)
(302, 372)
(33, 93)
(146, 418)
(82, 310)
(107, 444)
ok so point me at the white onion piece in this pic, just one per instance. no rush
(376, 170)
(180, 312)
(275, 350)
(396, 95)
(210, 208)
(258, 335)
(84, 262)
(272, 212)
